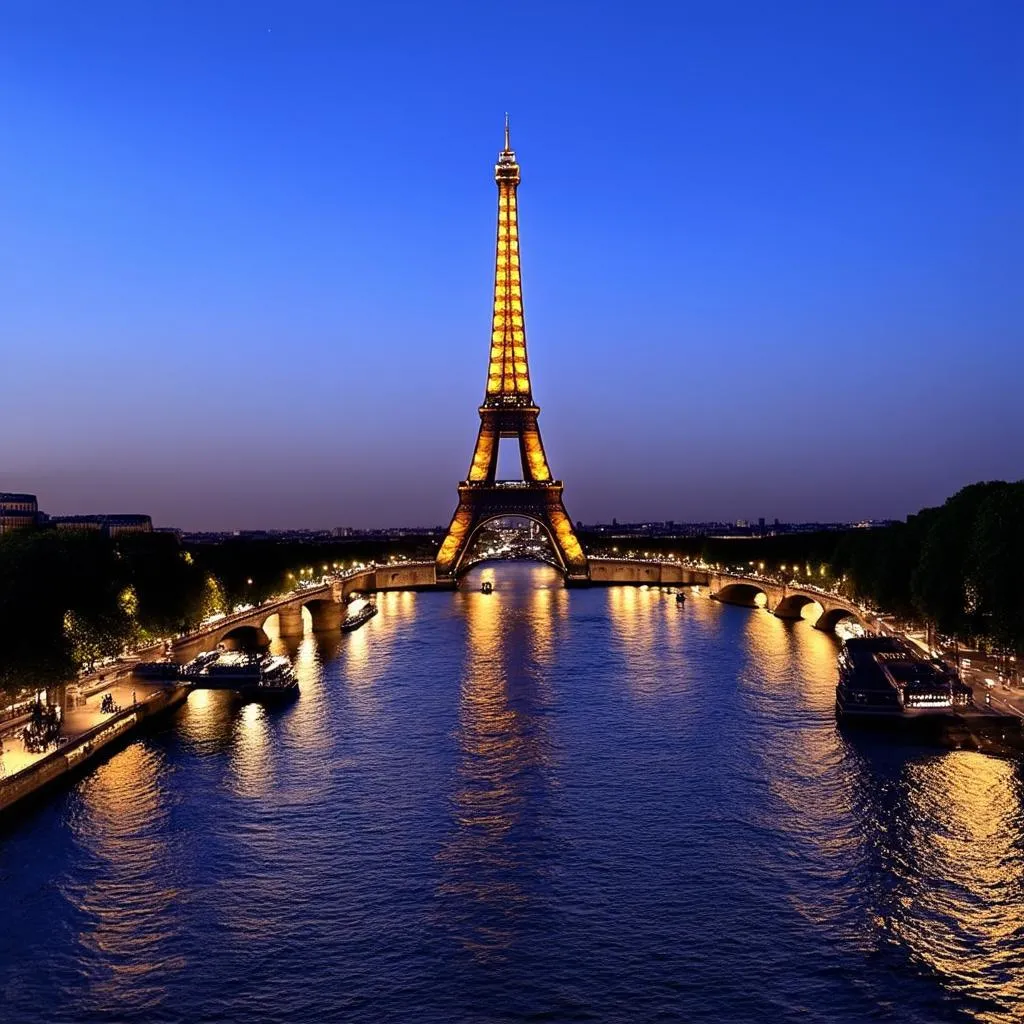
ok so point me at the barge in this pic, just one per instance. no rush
(886, 683)
(362, 614)
(252, 676)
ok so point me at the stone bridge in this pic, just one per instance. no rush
(786, 600)
(326, 604)
(651, 572)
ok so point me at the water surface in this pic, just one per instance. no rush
(537, 804)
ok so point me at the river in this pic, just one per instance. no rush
(538, 804)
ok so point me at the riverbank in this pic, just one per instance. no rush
(87, 732)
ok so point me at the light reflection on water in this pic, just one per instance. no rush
(535, 803)
(503, 757)
(125, 885)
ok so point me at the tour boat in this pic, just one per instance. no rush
(261, 676)
(883, 677)
(887, 684)
(363, 614)
(486, 587)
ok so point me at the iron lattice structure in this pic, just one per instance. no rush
(509, 411)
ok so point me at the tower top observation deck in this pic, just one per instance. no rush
(506, 169)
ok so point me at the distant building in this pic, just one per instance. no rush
(17, 510)
(109, 525)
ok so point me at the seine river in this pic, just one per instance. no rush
(537, 805)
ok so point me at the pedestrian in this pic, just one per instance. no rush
(134, 701)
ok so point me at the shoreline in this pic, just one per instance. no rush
(84, 750)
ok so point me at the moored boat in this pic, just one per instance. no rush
(885, 677)
(362, 614)
(887, 684)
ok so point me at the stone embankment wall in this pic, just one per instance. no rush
(86, 747)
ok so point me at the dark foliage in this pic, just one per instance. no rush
(959, 567)
(71, 598)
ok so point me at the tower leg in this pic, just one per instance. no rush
(539, 502)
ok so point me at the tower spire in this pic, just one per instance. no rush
(508, 375)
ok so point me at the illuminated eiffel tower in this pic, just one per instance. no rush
(509, 411)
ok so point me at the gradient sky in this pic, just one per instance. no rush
(772, 253)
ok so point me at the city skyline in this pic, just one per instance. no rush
(738, 303)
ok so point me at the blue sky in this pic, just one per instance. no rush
(772, 254)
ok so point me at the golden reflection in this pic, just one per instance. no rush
(252, 760)
(637, 616)
(206, 722)
(548, 614)
(128, 893)
(307, 725)
(357, 655)
(673, 620)
(366, 651)
(811, 612)
(502, 758)
(199, 701)
(787, 684)
(959, 903)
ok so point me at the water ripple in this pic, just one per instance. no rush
(539, 804)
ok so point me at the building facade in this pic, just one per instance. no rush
(109, 525)
(17, 510)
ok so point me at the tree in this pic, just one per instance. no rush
(995, 566)
(940, 581)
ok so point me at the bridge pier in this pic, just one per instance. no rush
(326, 615)
(290, 618)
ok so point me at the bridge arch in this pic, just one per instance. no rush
(325, 614)
(744, 594)
(464, 564)
(792, 606)
(243, 638)
(831, 616)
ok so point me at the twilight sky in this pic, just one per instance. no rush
(773, 253)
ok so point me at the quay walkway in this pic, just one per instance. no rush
(85, 731)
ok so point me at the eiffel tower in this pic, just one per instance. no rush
(509, 411)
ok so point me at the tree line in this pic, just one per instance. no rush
(958, 567)
(70, 598)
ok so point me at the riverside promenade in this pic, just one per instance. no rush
(86, 730)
